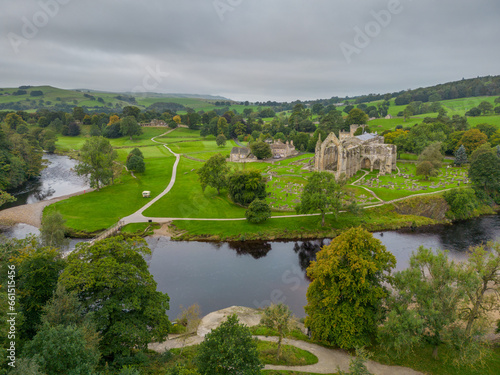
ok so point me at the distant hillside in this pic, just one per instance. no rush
(29, 98)
(465, 88)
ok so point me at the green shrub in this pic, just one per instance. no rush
(462, 203)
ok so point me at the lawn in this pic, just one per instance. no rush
(290, 355)
(149, 152)
(65, 143)
(98, 210)
(186, 199)
(196, 148)
(183, 133)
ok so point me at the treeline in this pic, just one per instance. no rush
(21, 154)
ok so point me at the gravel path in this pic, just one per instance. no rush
(329, 360)
(31, 214)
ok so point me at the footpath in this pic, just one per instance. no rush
(329, 360)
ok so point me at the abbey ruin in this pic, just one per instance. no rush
(349, 153)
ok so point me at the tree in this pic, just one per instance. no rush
(424, 303)
(13, 120)
(462, 203)
(113, 283)
(258, 211)
(131, 111)
(220, 140)
(52, 231)
(321, 193)
(78, 113)
(483, 265)
(261, 150)
(474, 111)
(64, 350)
(484, 172)
(485, 107)
(113, 119)
(129, 127)
(246, 186)
(73, 129)
(38, 269)
(136, 164)
(430, 160)
(460, 156)
(472, 139)
(344, 299)
(356, 116)
(96, 162)
(6, 197)
(177, 119)
(135, 152)
(229, 349)
(279, 317)
(214, 173)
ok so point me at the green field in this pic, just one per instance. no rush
(186, 199)
(98, 210)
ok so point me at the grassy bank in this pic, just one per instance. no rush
(375, 219)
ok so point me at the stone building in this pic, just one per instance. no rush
(282, 150)
(349, 153)
(241, 154)
(278, 148)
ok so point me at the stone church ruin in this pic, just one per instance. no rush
(348, 153)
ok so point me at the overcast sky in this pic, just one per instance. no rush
(248, 49)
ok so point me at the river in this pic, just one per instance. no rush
(56, 180)
(219, 275)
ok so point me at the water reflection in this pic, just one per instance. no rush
(256, 249)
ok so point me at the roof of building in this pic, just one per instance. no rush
(367, 136)
(240, 150)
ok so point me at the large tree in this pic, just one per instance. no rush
(214, 173)
(261, 150)
(229, 350)
(484, 171)
(344, 299)
(112, 280)
(424, 303)
(356, 116)
(129, 127)
(96, 161)
(38, 270)
(246, 186)
(472, 139)
(321, 193)
(430, 160)
(258, 211)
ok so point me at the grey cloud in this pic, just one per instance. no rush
(278, 50)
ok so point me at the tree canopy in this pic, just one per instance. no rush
(229, 350)
(246, 186)
(112, 281)
(344, 299)
(321, 193)
(214, 173)
(96, 161)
